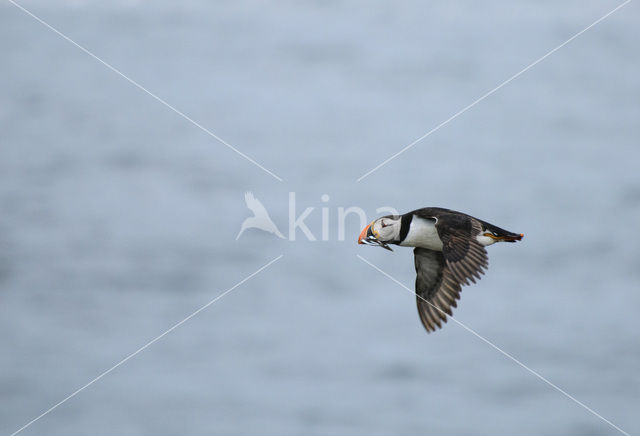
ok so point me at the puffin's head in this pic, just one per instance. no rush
(383, 231)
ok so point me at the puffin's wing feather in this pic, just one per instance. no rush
(465, 257)
(436, 288)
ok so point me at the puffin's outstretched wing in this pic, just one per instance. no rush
(440, 275)
(465, 257)
(436, 288)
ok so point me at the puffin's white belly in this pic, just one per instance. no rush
(422, 233)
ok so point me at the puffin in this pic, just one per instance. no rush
(449, 252)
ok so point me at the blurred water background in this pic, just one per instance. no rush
(118, 218)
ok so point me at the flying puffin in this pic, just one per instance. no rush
(449, 252)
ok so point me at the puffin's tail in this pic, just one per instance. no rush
(502, 234)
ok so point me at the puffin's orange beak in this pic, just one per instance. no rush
(368, 238)
(363, 234)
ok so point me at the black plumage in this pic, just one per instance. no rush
(449, 253)
(440, 275)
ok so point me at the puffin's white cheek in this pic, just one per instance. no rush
(386, 233)
(376, 229)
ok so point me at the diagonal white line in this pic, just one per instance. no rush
(478, 100)
(491, 344)
(142, 88)
(175, 326)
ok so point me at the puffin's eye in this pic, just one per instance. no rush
(384, 225)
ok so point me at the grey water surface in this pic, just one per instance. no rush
(118, 217)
